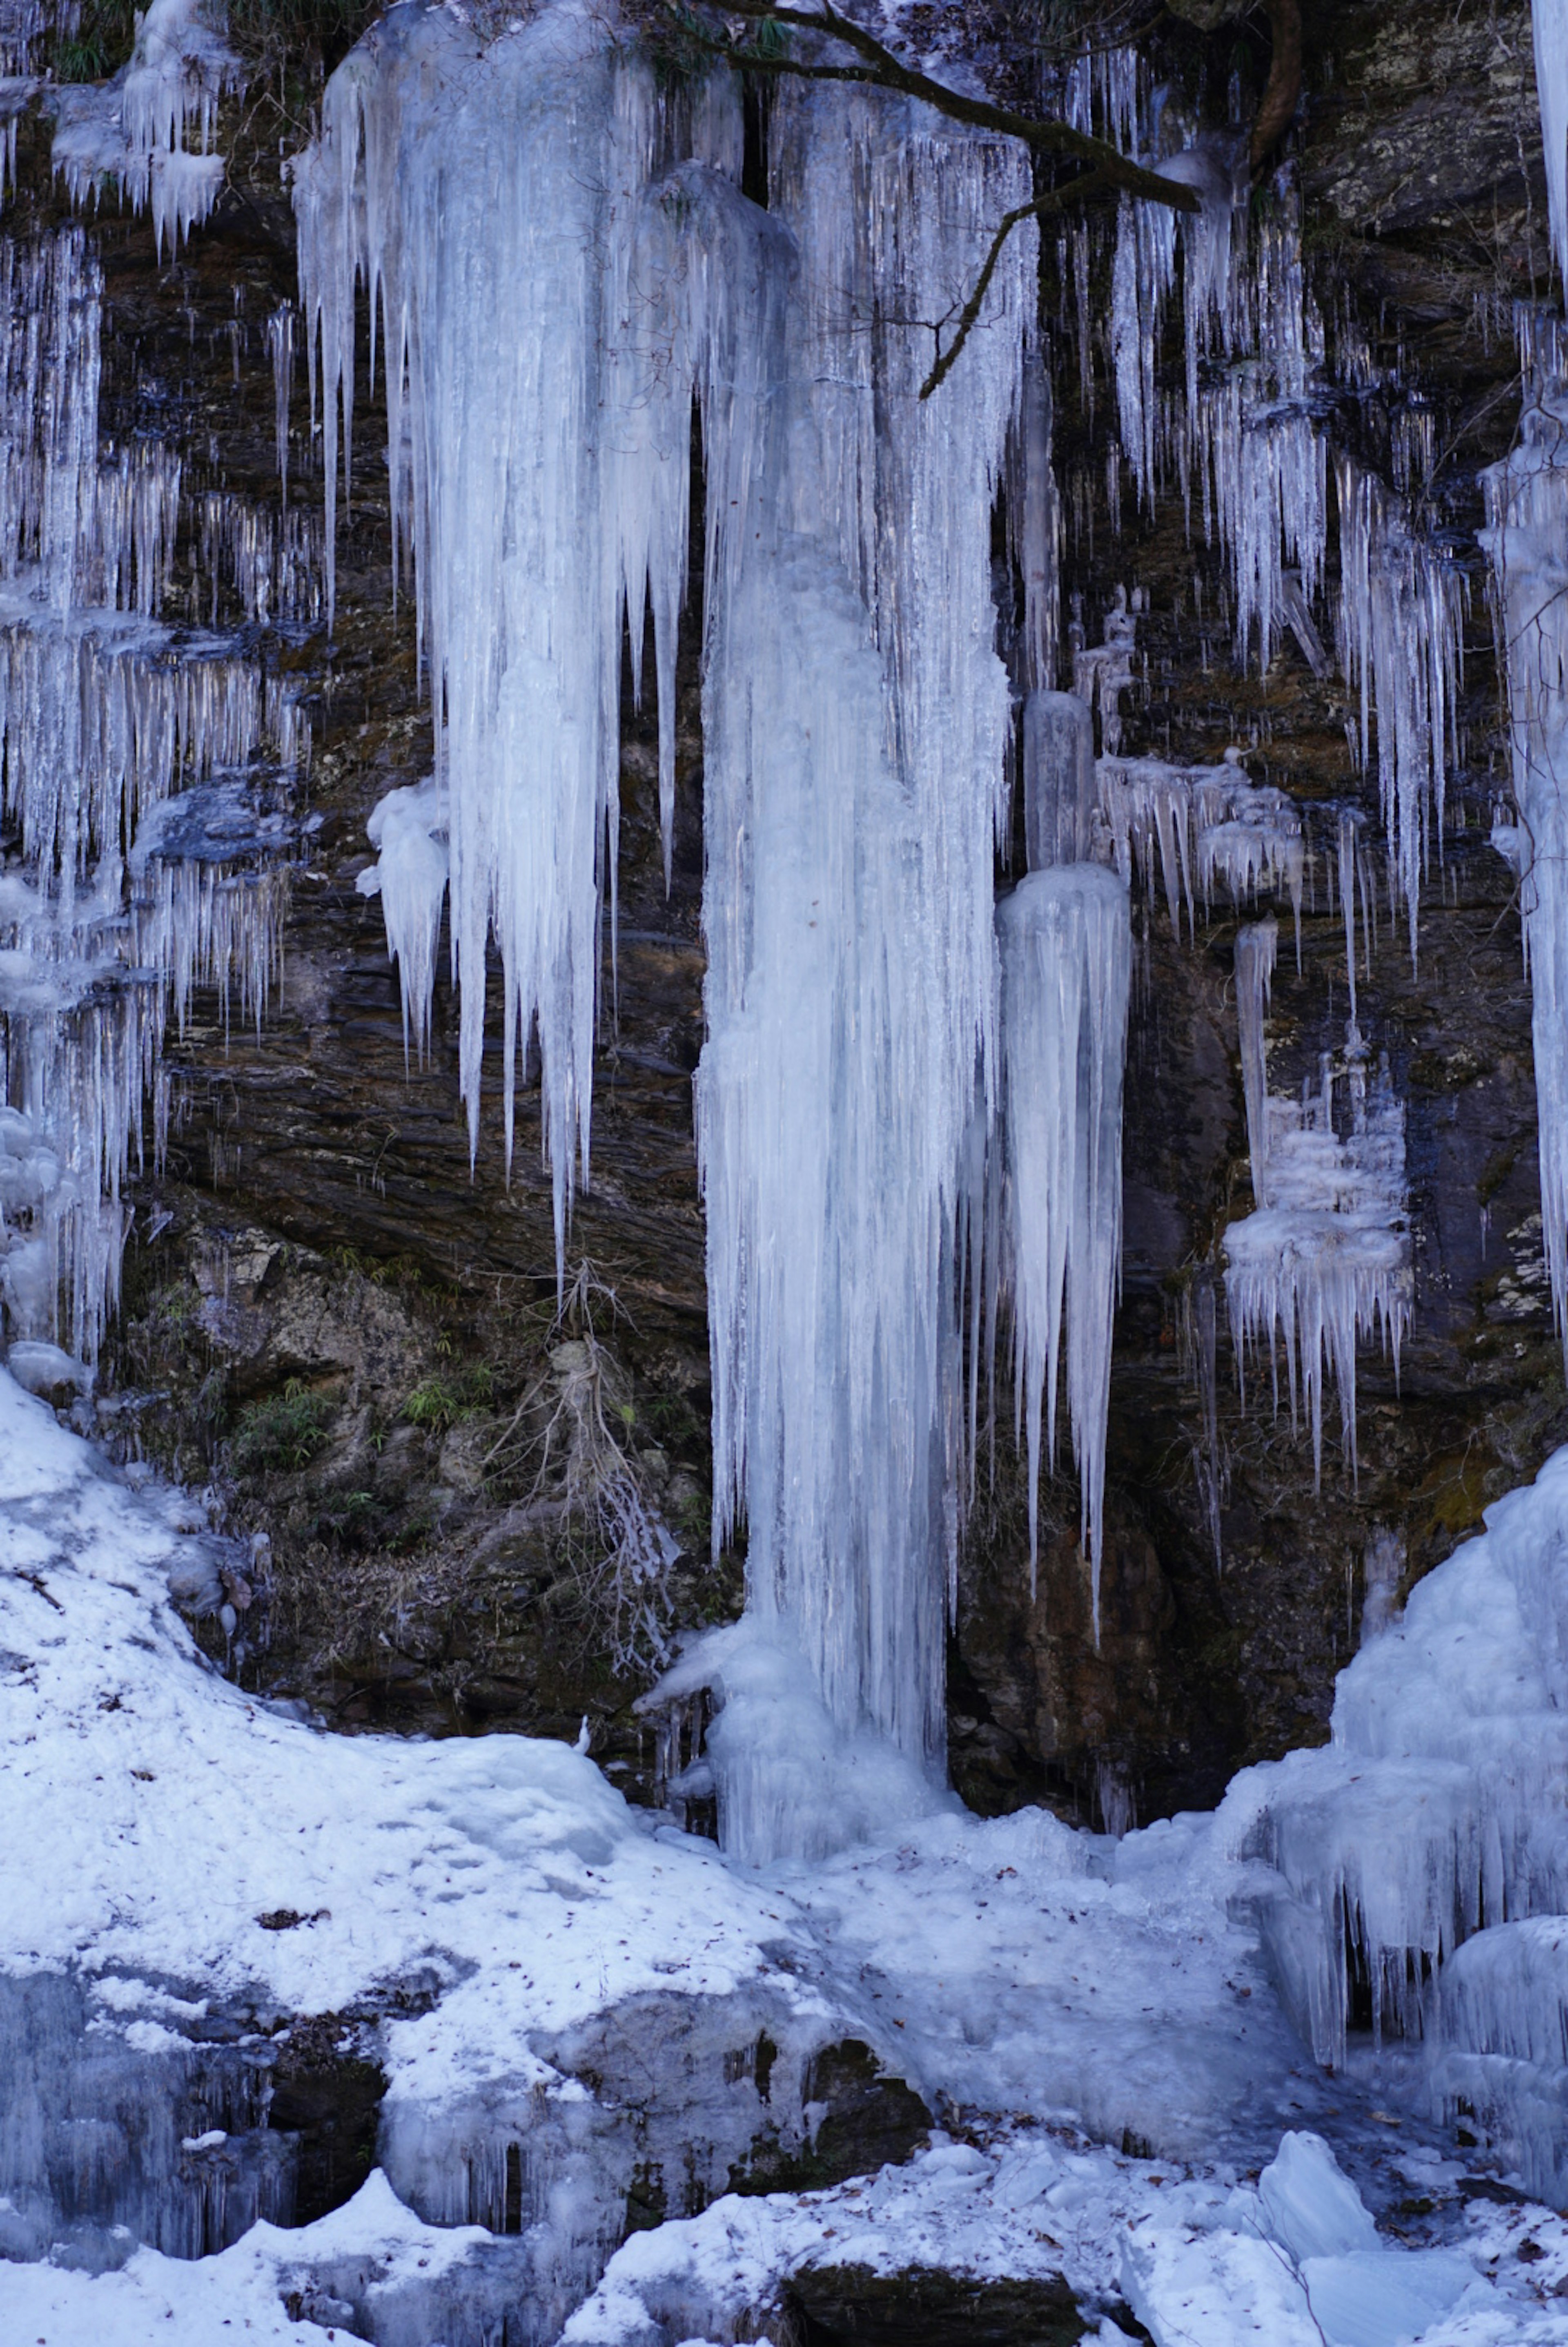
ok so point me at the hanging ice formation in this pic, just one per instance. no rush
(1401, 641)
(120, 906)
(849, 679)
(1527, 501)
(408, 828)
(1324, 1260)
(133, 129)
(540, 484)
(1066, 964)
(1246, 439)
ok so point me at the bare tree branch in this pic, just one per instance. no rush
(1051, 202)
(884, 70)
(1282, 91)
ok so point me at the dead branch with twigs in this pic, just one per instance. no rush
(614, 1542)
(841, 49)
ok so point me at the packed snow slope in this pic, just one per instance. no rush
(186, 1871)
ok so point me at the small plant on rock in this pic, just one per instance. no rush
(286, 1431)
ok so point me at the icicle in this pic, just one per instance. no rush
(104, 715)
(1550, 27)
(1065, 944)
(1527, 504)
(1208, 823)
(280, 348)
(1327, 1262)
(1401, 643)
(545, 473)
(1257, 949)
(410, 877)
(134, 129)
(1348, 846)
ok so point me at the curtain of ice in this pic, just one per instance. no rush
(489, 196)
(104, 716)
(1527, 499)
(855, 709)
(856, 717)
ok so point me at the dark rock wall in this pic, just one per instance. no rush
(340, 1317)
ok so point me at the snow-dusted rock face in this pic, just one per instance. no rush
(572, 2010)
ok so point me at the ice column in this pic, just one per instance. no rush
(1527, 499)
(856, 719)
(1065, 940)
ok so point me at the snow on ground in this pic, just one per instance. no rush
(1291, 2261)
(1040, 1987)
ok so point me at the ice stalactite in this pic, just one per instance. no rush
(1551, 28)
(280, 350)
(1324, 1260)
(1326, 1264)
(1527, 540)
(1065, 943)
(1401, 644)
(134, 129)
(1206, 824)
(107, 714)
(408, 829)
(545, 484)
(273, 566)
(1257, 951)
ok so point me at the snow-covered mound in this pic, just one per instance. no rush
(570, 1998)
(1435, 1822)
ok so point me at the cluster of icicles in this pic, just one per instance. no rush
(118, 897)
(908, 1106)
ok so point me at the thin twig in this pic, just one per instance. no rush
(972, 308)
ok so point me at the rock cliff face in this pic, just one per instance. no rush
(358, 1332)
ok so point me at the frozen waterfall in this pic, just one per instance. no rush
(856, 723)
(109, 719)
(1527, 500)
